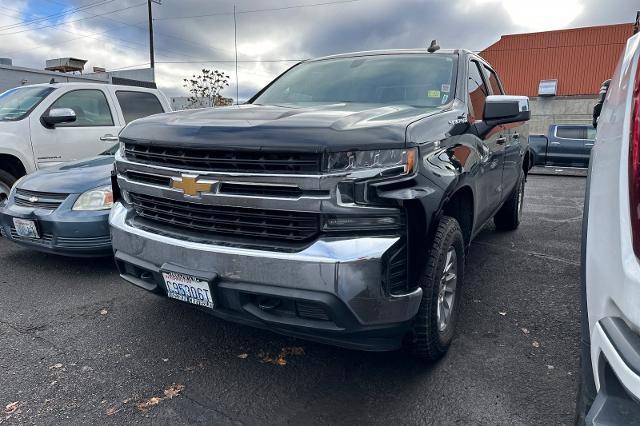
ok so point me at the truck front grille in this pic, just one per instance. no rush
(200, 159)
(230, 221)
(41, 200)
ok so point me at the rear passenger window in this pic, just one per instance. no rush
(477, 91)
(138, 104)
(571, 132)
(493, 82)
(91, 108)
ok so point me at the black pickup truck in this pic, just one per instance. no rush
(337, 205)
(566, 145)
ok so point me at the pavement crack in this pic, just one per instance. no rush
(206, 407)
(32, 332)
(531, 253)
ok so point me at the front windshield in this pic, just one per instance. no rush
(16, 104)
(420, 80)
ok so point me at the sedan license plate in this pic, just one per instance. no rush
(26, 228)
(188, 289)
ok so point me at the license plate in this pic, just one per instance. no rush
(188, 289)
(26, 228)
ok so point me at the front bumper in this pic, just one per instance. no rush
(63, 232)
(615, 351)
(329, 292)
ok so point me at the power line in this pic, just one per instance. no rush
(156, 33)
(298, 6)
(76, 20)
(57, 15)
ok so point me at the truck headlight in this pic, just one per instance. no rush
(403, 159)
(95, 199)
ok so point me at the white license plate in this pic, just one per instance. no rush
(26, 228)
(188, 289)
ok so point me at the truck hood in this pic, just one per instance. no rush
(73, 178)
(318, 128)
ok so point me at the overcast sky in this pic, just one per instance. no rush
(113, 33)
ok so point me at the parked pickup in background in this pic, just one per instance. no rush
(566, 145)
(337, 205)
(45, 125)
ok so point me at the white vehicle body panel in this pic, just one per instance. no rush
(612, 270)
(39, 147)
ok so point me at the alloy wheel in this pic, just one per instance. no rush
(447, 290)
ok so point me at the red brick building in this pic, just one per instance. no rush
(571, 63)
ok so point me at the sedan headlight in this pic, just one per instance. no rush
(95, 199)
(403, 159)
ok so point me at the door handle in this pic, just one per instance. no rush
(554, 143)
(588, 144)
(501, 140)
(109, 138)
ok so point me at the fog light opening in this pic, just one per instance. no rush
(268, 303)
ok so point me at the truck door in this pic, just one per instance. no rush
(489, 187)
(568, 146)
(513, 148)
(94, 131)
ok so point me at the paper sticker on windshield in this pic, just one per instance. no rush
(445, 88)
(444, 98)
(433, 93)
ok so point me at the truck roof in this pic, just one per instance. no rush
(393, 52)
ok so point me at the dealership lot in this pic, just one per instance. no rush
(80, 345)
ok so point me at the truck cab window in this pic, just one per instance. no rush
(496, 88)
(91, 108)
(138, 104)
(571, 132)
(477, 91)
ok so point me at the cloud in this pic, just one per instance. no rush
(184, 46)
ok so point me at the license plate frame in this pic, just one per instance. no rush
(189, 288)
(26, 228)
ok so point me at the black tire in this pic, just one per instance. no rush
(430, 342)
(509, 215)
(586, 383)
(6, 182)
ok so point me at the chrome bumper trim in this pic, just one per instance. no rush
(349, 268)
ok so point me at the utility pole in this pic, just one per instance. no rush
(152, 60)
(235, 43)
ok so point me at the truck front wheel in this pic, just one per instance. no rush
(6, 182)
(441, 281)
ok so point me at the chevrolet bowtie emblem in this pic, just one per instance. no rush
(190, 186)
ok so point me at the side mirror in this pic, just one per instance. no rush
(598, 108)
(503, 109)
(58, 116)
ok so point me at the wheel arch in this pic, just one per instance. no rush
(13, 165)
(460, 205)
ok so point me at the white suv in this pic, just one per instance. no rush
(47, 124)
(610, 347)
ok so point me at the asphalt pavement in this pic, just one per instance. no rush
(80, 346)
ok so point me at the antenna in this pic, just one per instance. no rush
(434, 47)
(235, 42)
